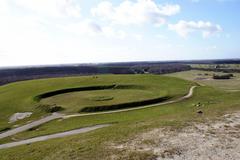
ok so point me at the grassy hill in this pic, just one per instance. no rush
(101, 144)
(19, 96)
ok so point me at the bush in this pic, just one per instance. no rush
(50, 108)
(224, 76)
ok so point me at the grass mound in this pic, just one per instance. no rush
(73, 94)
(102, 98)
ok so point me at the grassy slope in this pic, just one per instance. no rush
(97, 144)
(18, 97)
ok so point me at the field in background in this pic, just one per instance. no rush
(216, 66)
(205, 78)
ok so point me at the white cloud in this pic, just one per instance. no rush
(4, 7)
(29, 33)
(55, 8)
(183, 28)
(90, 28)
(84, 27)
(112, 33)
(138, 37)
(139, 12)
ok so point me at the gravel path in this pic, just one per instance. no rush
(30, 125)
(52, 136)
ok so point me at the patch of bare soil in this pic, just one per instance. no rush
(219, 140)
(18, 116)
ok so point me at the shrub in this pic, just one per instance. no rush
(224, 76)
(5, 129)
(50, 108)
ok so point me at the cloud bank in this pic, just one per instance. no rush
(184, 28)
(138, 12)
(54, 8)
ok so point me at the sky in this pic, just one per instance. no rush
(40, 32)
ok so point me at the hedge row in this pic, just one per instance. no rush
(50, 108)
(89, 88)
(67, 90)
(124, 105)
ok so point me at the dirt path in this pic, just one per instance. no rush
(52, 136)
(212, 140)
(58, 115)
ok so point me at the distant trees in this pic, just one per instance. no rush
(225, 70)
(160, 68)
(19, 74)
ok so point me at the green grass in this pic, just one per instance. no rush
(75, 101)
(19, 96)
(214, 98)
(205, 77)
(97, 144)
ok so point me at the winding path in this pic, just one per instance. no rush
(190, 93)
(52, 136)
(58, 115)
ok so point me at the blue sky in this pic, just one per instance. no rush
(77, 31)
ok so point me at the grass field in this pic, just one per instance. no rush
(212, 101)
(205, 78)
(19, 97)
(97, 144)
